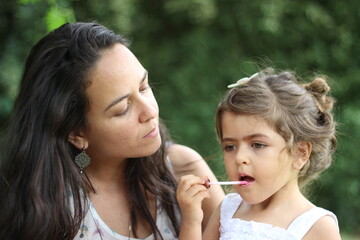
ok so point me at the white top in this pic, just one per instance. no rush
(93, 225)
(235, 228)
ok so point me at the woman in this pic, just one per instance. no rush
(86, 156)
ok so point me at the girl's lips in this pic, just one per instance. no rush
(246, 179)
(153, 133)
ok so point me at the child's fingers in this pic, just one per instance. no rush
(193, 197)
(190, 193)
(202, 194)
(187, 181)
(195, 189)
(192, 190)
(191, 179)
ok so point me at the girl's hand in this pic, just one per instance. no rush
(192, 190)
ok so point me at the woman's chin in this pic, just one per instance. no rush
(152, 148)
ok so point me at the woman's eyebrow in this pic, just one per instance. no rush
(115, 101)
(119, 99)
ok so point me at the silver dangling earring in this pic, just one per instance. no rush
(82, 160)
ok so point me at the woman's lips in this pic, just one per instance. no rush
(153, 133)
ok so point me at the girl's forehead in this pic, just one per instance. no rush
(245, 122)
(243, 117)
(245, 125)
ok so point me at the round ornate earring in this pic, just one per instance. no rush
(82, 160)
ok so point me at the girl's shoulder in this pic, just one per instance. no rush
(317, 223)
(229, 206)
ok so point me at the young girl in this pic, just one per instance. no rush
(276, 135)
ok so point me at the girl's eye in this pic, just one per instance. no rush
(258, 145)
(229, 148)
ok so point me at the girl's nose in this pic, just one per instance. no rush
(241, 158)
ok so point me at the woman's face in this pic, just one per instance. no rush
(123, 117)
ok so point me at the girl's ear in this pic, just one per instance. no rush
(302, 155)
(76, 138)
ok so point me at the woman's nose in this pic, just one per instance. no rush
(149, 110)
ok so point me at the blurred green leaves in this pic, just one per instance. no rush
(57, 12)
(57, 16)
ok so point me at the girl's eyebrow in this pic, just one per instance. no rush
(256, 135)
(119, 99)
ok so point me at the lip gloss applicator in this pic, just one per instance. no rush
(228, 183)
(208, 183)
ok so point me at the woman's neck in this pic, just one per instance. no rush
(108, 176)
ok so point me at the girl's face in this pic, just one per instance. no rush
(122, 121)
(255, 153)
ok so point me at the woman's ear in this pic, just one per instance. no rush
(303, 151)
(76, 138)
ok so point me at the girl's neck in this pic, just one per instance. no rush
(288, 200)
(289, 196)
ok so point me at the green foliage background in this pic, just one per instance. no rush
(193, 49)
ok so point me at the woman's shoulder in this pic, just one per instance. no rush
(185, 160)
(182, 155)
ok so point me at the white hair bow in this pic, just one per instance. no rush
(242, 81)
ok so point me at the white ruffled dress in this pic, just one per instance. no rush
(235, 228)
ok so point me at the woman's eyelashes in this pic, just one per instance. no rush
(123, 112)
(123, 108)
(145, 87)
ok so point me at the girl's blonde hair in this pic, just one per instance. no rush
(298, 112)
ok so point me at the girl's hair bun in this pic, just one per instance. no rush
(319, 89)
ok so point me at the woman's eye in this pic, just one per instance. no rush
(123, 112)
(119, 114)
(145, 88)
(258, 145)
(229, 148)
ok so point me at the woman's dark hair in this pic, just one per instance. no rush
(38, 173)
